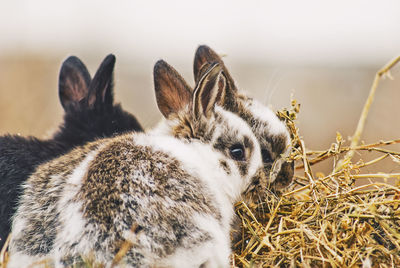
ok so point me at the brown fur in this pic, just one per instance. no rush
(175, 91)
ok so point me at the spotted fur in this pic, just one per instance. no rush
(169, 192)
(271, 133)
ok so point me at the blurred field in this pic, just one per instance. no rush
(331, 98)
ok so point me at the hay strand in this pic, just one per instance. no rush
(361, 122)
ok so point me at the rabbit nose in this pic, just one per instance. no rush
(263, 175)
(259, 180)
(285, 176)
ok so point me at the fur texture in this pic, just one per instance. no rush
(89, 114)
(271, 133)
(169, 192)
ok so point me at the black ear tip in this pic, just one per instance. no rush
(72, 61)
(110, 57)
(109, 60)
(70, 66)
(161, 66)
(205, 50)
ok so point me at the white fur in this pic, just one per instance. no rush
(71, 217)
(75, 179)
(72, 222)
(263, 113)
(240, 124)
(19, 225)
(20, 260)
(201, 164)
(214, 253)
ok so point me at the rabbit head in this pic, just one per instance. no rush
(194, 115)
(271, 132)
(89, 103)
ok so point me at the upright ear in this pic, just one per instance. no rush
(172, 92)
(101, 88)
(73, 83)
(209, 89)
(205, 55)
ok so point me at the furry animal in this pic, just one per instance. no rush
(168, 193)
(271, 132)
(89, 114)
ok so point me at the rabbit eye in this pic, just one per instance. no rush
(266, 156)
(237, 152)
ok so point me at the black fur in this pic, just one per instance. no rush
(89, 114)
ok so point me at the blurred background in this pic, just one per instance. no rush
(325, 54)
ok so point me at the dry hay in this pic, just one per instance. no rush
(326, 220)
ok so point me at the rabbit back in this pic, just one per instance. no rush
(19, 156)
(112, 188)
(37, 215)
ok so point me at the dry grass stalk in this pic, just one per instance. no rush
(326, 221)
(4, 253)
(125, 247)
(360, 126)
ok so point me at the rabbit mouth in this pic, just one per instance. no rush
(255, 193)
(273, 178)
(258, 183)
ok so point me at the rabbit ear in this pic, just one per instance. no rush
(101, 87)
(204, 55)
(172, 92)
(209, 89)
(73, 85)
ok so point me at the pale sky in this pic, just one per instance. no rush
(289, 32)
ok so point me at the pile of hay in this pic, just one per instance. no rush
(326, 220)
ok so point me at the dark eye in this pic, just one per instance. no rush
(266, 156)
(237, 152)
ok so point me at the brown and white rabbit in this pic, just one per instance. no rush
(169, 192)
(272, 134)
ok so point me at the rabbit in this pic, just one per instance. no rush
(89, 114)
(270, 131)
(169, 192)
